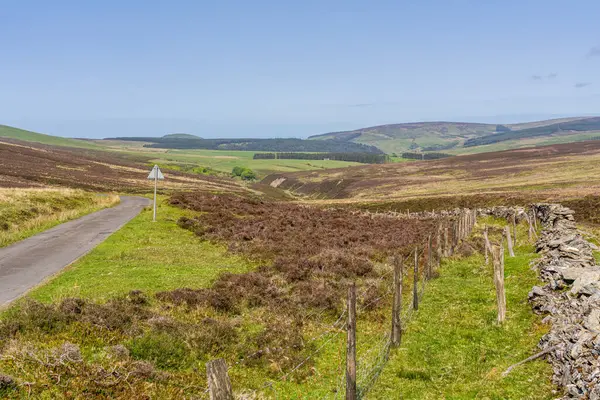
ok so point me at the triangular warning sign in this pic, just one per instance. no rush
(155, 171)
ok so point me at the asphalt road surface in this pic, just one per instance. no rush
(27, 263)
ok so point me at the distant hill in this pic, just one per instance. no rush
(582, 125)
(445, 136)
(542, 171)
(181, 136)
(248, 144)
(28, 136)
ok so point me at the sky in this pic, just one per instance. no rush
(292, 68)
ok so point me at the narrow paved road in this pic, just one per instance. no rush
(27, 263)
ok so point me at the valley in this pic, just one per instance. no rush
(256, 274)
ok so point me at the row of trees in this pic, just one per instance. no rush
(588, 124)
(425, 156)
(442, 146)
(365, 158)
(274, 145)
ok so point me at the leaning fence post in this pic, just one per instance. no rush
(351, 345)
(498, 261)
(529, 226)
(532, 231)
(509, 240)
(219, 385)
(416, 281)
(397, 305)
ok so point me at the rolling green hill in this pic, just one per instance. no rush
(452, 136)
(28, 136)
(196, 161)
(584, 125)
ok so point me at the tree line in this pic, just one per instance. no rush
(270, 145)
(365, 158)
(588, 124)
(425, 156)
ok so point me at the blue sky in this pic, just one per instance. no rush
(282, 68)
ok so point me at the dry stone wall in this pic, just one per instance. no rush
(571, 301)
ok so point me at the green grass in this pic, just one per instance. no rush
(454, 349)
(15, 133)
(223, 160)
(146, 256)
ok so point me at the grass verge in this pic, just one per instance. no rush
(144, 255)
(454, 349)
(26, 212)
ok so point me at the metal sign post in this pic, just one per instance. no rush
(155, 174)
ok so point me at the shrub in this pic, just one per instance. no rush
(248, 175)
(218, 300)
(6, 382)
(237, 171)
(164, 350)
(212, 337)
(245, 173)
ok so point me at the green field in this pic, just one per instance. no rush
(20, 134)
(220, 160)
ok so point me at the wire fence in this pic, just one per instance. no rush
(372, 359)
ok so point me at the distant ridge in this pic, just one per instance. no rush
(461, 137)
(28, 136)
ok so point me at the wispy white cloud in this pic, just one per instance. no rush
(594, 52)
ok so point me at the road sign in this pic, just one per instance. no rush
(154, 172)
(156, 175)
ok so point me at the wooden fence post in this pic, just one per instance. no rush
(397, 305)
(509, 240)
(438, 245)
(514, 225)
(351, 345)
(446, 242)
(219, 385)
(498, 261)
(486, 245)
(429, 260)
(416, 281)
(454, 241)
(532, 230)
